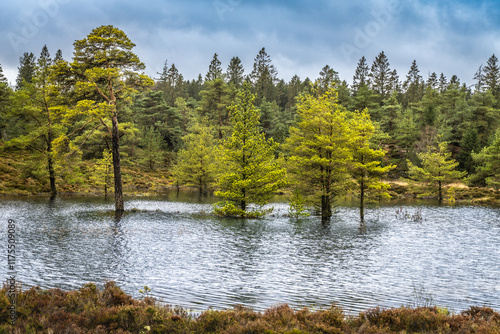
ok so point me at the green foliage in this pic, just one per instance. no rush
(380, 75)
(101, 172)
(214, 103)
(27, 65)
(234, 73)
(107, 75)
(469, 145)
(297, 207)
(248, 170)
(438, 169)
(488, 164)
(319, 148)
(365, 166)
(196, 161)
(152, 144)
(214, 69)
(390, 115)
(5, 94)
(264, 76)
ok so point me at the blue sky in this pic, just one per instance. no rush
(454, 37)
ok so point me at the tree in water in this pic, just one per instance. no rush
(319, 148)
(249, 172)
(107, 70)
(438, 169)
(366, 166)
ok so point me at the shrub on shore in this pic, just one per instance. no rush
(90, 310)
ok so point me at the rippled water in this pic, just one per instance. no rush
(188, 258)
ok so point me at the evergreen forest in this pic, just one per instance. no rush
(94, 122)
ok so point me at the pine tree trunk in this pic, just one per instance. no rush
(362, 201)
(326, 210)
(440, 191)
(50, 162)
(243, 203)
(116, 166)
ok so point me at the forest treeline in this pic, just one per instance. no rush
(71, 118)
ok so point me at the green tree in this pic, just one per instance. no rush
(406, 135)
(432, 81)
(249, 172)
(413, 85)
(101, 173)
(365, 166)
(214, 69)
(171, 83)
(27, 65)
(438, 169)
(234, 73)
(470, 144)
(361, 76)
(483, 115)
(213, 105)
(5, 93)
(479, 77)
(264, 77)
(327, 77)
(37, 104)
(196, 161)
(58, 56)
(151, 143)
(488, 164)
(492, 75)
(105, 66)
(319, 147)
(365, 98)
(390, 114)
(380, 75)
(443, 83)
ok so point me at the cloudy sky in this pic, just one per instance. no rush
(454, 37)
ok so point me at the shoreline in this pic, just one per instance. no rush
(398, 191)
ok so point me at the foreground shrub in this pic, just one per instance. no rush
(110, 310)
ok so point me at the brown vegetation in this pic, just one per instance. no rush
(90, 310)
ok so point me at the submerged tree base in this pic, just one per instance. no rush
(90, 310)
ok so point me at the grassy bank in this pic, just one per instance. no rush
(91, 310)
(21, 177)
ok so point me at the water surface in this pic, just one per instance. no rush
(189, 258)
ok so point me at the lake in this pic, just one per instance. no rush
(450, 258)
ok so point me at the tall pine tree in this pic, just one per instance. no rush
(249, 172)
(319, 148)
